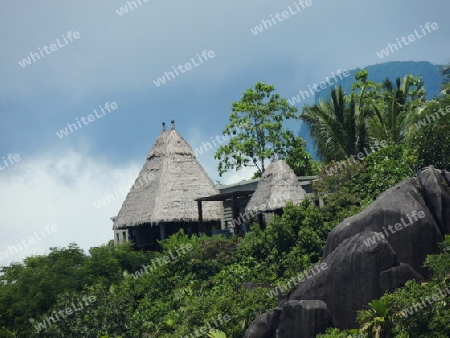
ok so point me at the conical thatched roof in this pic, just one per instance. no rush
(277, 186)
(167, 186)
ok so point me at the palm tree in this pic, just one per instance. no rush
(394, 107)
(362, 93)
(445, 71)
(344, 126)
(375, 321)
(335, 126)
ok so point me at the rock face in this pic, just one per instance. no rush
(264, 326)
(394, 209)
(397, 276)
(436, 193)
(367, 254)
(303, 318)
(344, 295)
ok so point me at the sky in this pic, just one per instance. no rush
(84, 56)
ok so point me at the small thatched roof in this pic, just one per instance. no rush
(167, 186)
(277, 186)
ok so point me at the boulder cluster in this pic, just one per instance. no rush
(360, 268)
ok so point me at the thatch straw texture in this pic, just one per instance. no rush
(167, 186)
(277, 186)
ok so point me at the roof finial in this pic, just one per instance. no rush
(164, 126)
(173, 124)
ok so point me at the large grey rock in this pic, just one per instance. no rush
(352, 279)
(436, 192)
(265, 325)
(395, 207)
(366, 257)
(396, 277)
(303, 319)
(358, 272)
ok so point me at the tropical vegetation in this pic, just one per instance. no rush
(230, 278)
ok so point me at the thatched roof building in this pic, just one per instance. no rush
(277, 186)
(164, 193)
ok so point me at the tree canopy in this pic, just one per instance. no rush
(260, 113)
(346, 124)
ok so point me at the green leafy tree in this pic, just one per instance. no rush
(260, 113)
(300, 160)
(28, 289)
(290, 244)
(32, 289)
(429, 133)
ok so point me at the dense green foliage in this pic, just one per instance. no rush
(171, 300)
(30, 289)
(215, 285)
(348, 189)
(430, 133)
(292, 243)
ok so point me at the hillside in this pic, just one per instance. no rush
(430, 74)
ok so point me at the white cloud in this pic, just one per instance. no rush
(238, 176)
(59, 189)
(62, 189)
